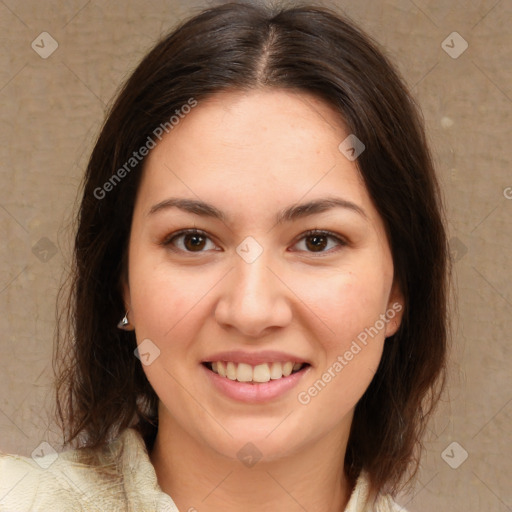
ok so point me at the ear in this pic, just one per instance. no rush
(395, 310)
(124, 283)
(125, 292)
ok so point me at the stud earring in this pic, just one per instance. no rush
(124, 324)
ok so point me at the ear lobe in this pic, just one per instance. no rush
(395, 310)
(125, 324)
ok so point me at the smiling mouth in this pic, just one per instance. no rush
(258, 374)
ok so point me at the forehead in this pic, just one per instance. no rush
(281, 121)
(254, 149)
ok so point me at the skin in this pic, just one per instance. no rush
(251, 155)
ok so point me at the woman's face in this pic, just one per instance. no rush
(223, 315)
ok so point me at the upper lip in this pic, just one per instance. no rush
(254, 358)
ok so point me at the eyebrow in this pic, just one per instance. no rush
(288, 214)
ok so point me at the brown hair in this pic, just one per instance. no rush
(102, 388)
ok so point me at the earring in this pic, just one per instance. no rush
(124, 323)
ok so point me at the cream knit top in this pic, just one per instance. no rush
(119, 478)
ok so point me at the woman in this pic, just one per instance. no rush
(258, 309)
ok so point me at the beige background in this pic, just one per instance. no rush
(52, 109)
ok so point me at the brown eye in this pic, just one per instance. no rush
(189, 241)
(194, 242)
(320, 242)
(316, 242)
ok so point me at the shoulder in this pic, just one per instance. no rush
(83, 479)
(359, 499)
(42, 481)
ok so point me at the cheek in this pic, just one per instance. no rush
(347, 302)
(169, 308)
(350, 305)
(164, 301)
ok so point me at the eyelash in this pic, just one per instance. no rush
(312, 232)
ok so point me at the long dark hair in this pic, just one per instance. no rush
(102, 388)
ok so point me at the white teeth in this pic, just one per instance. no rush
(276, 371)
(221, 369)
(261, 373)
(231, 371)
(243, 372)
(287, 368)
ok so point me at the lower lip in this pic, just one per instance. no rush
(254, 393)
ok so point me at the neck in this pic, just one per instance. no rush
(200, 479)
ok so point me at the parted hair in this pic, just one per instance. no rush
(101, 386)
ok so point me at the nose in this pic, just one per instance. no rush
(253, 299)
